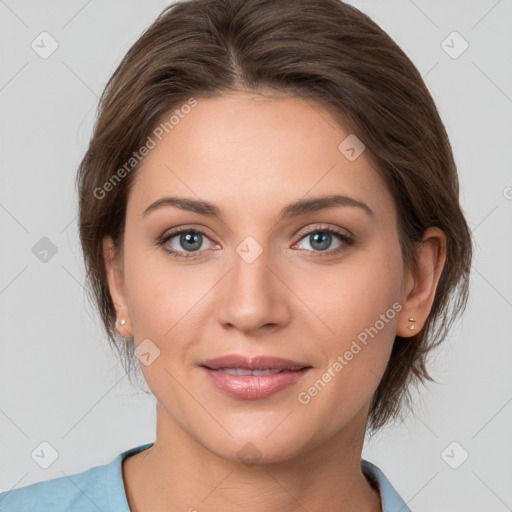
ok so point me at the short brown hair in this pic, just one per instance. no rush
(319, 50)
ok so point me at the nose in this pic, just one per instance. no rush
(254, 295)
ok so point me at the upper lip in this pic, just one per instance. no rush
(263, 362)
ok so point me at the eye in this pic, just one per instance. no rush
(187, 241)
(321, 239)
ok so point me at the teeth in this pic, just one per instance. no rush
(243, 371)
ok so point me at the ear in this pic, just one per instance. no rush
(421, 282)
(115, 279)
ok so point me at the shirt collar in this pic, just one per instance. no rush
(391, 501)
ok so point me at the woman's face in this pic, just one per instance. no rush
(263, 278)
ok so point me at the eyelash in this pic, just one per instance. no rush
(345, 239)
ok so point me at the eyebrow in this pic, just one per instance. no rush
(299, 207)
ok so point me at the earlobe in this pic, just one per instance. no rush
(418, 298)
(115, 280)
(123, 328)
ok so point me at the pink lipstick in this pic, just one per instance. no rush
(252, 378)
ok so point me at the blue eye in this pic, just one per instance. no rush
(321, 239)
(190, 241)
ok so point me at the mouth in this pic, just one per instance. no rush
(252, 378)
(253, 363)
(244, 371)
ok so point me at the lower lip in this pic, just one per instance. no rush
(254, 387)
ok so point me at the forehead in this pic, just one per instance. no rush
(256, 153)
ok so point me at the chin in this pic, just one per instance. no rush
(251, 454)
(256, 449)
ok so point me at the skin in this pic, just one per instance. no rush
(252, 154)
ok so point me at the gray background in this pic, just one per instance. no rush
(60, 383)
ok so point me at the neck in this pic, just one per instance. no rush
(178, 473)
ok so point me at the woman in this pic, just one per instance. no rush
(269, 216)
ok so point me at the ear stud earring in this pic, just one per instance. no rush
(412, 327)
(123, 321)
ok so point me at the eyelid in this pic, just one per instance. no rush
(345, 235)
(345, 238)
(324, 227)
(163, 239)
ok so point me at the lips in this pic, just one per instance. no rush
(243, 371)
(238, 361)
(252, 378)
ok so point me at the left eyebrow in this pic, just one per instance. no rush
(299, 207)
(303, 206)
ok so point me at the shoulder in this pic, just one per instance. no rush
(391, 500)
(97, 488)
(79, 492)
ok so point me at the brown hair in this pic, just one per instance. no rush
(323, 51)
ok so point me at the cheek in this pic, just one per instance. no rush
(165, 307)
(361, 309)
(358, 291)
(164, 297)
(356, 355)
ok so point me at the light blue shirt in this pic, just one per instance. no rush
(101, 489)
